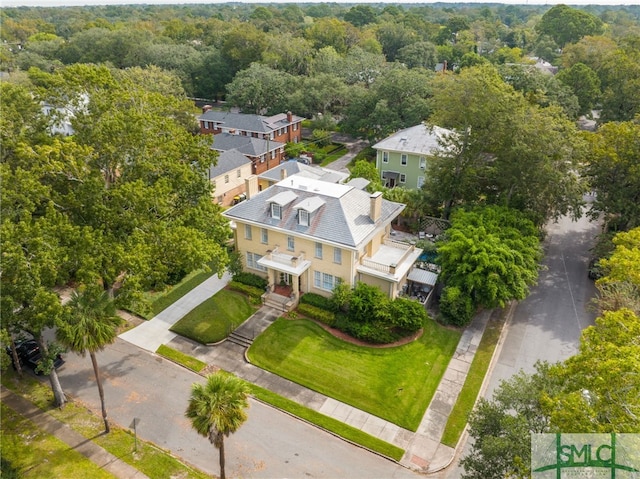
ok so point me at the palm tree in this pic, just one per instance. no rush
(91, 325)
(217, 409)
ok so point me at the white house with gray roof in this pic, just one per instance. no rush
(306, 235)
(402, 157)
(227, 176)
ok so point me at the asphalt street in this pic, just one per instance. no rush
(271, 444)
(548, 323)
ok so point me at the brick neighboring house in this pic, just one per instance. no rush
(283, 127)
(228, 176)
(263, 154)
(306, 235)
(402, 157)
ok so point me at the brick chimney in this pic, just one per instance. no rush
(375, 206)
(206, 108)
(251, 186)
(289, 116)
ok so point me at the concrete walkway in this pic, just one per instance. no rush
(423, 450)
(103, 459)
(151, 334)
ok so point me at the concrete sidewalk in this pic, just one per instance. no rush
(423, 451)
(105, 460)
(151, 334)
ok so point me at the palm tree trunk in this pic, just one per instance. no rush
(100, 391)
(221, 449)
(58, 393)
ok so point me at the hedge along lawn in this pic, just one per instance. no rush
(394, 383)
(213, 320)
(466, 399)
(33, 453)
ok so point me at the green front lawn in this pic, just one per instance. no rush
(213, 320)
(395, 384)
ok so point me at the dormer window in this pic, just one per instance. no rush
(303, 217)
(276, 211)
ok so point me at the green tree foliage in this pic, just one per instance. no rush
(393, 36)
(367, 170)
(613, 172)
(91, 325)
(624, 263)
(502, 427)
(456, 306)
(419, 55)
(328, 32)
(261, 90)
(399, 98)
(506, 151)
(491, 255)
(620, 78)
(243, 45)
(600, 388)
(585, 84)
(568, 25)
(217, 409)
(360, 15)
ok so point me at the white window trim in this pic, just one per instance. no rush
(319, 280)
(318, 249)
(420, 181)
(403, 178)
(247, 232)
(264, 236)
(423, 162)
(291, 243)
(252, 261)
(385, 157)
(337, 255)
(303, 217)
(404, 159)
(276, 208)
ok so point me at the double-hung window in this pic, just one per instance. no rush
(423, 162)
(385, 157)
(252, 261)
(264, 236)
(303, 217)
(337, 255)
(403, 178)
(325, 281)
(247, 232)
(318, 250)
(276, 211)
(403, 159)
(291, 243)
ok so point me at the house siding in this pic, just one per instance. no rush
(411, 170)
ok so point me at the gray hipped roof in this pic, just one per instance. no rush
(419, 139)
(246, 145)
(340, 213)
(248, 122)
(228, 161)
(293, 167)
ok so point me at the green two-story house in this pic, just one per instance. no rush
(402, 157)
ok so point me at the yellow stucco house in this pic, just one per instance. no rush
(306, 235)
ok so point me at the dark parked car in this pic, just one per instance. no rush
(29, 355)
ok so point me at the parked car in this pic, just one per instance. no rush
(29, 355)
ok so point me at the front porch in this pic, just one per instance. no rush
(284, 272)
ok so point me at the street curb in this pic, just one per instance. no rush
(483, 387)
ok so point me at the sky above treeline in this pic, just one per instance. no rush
(60, 3)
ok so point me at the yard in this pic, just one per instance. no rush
(213, 320)
(395, 383)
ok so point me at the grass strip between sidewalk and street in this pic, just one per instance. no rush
(477, 371)
(146, 457)
(179, 357)
(327, 423)
(29, 452)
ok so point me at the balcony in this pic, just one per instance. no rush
(392, 261)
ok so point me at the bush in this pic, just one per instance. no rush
(251, 279)
(327, 317)
(254, 294)
(375, 332)
(455, 307)
(317, 300)
(407, 314)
